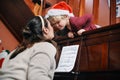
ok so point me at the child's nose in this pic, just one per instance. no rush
(57, 25)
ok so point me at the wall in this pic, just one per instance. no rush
(9, 42)
(104, 13)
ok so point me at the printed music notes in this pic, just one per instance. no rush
(67, 58)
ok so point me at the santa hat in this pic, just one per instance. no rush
(61, 8)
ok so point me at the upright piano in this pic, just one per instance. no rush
(98, 57)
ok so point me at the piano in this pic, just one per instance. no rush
(98, 57)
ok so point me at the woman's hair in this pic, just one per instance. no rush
(36, 1)
(32, 33)
(47, 4)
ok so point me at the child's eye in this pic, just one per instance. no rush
(55, 24)
(58, 22)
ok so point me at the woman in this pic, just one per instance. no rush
(34, 59)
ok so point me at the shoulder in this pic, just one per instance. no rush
(80, 17)
(74, 19)
(44, 47)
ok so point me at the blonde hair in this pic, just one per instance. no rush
(53, 19)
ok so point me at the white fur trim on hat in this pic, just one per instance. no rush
(55, 12)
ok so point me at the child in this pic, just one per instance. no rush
(63, 20)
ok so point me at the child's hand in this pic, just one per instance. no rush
(81, 31)
(70, 35)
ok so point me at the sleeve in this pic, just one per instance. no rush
(83, 21)
(90, 27)
(39, 67)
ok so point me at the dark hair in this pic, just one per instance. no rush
(47, 4)
(36, 1)
(32, 33)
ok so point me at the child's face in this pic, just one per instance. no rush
(59, 22)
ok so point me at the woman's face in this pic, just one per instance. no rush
(50, 31)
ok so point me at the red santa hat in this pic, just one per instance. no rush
(61, 8)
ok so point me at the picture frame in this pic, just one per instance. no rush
(118, 11)
(117, 7)
(117, 2)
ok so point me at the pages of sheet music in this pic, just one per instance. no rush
(67, 58)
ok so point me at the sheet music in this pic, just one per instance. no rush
(67, 58)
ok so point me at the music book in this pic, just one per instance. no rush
(67, 58)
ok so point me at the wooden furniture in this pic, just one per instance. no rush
(15, 14)
(98, 57)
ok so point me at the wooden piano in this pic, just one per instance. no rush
(98, 57)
